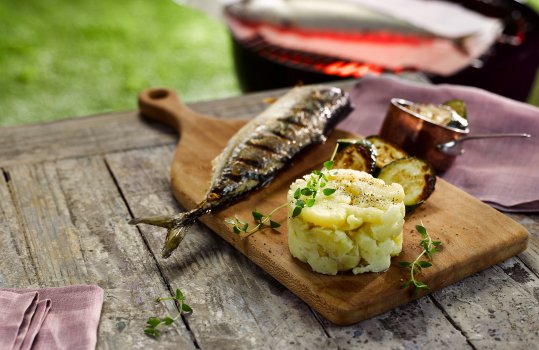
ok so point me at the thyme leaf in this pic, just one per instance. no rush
(416, 267)
(153, 323)
(306, 196)
(328, 164)
(261, 220)
(329, 191)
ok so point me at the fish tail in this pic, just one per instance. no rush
(161, 221)
(177, 227)
(175, 236)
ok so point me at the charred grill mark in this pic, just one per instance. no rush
(285, 130)
(282, 134)
(252, 158)
(247, 170)
(240, 177)
(231, 183)
(268, 142)
(240, 170)
(256, 161)
(256, 156)
(225, 186)
(314, 105)
(299, 118)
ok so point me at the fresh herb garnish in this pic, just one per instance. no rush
(262, 221)
(153, 323)
(306, 196)
(328, 191)
(429, 247)
(328, 164)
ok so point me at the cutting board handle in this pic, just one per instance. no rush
(164, 106)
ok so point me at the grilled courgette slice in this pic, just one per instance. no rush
(355, 154)
(416, 177)
(458, 106)
(460, 120)
(386, 152)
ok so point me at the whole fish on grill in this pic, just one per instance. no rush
(254, 155)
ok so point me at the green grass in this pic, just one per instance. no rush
(534, 4)
(62, 58)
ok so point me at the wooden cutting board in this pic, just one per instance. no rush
(474, 236)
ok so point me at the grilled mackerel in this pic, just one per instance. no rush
(255, 154)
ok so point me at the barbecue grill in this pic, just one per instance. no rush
(507, 68)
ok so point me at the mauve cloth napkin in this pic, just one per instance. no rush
(501, 172)
(50, 318)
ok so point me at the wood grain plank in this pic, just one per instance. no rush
(419, 324)
(236, 304)
(16, 266)
(462, 302)
(476, 241)
(229, 287)
(78, 137)
(531, 255)
(497, 308)
(110, 132)
(74, 223)
(499, 326)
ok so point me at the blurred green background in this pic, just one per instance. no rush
(62, 58)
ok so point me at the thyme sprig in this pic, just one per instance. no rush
(306, 196)
(153, 323)
(416, 267)
(303, 197)
(263, 221)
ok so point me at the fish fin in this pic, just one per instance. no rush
(179, 229)
(175, 236)
(177, 226)
(161, 221)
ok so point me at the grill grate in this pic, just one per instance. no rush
(313, 62)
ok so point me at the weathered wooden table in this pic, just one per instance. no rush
(68, 189)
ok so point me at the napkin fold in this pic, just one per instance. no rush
(50, 318)
(501, 172)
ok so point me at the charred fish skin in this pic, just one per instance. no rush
(260, 149)
(255, 154)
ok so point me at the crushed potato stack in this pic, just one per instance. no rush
(358, 227)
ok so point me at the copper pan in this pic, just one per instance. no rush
(419, 136)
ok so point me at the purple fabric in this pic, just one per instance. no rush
(501, 172)
(16, 311)
(42, 310)
(26, 321)
(50, 318)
